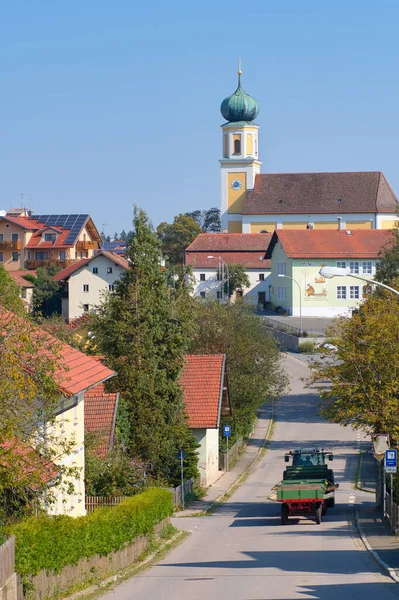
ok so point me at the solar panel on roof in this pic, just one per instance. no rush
(61, 219)
(51, 220)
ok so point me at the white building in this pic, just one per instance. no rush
(209, 251)
(86, 282)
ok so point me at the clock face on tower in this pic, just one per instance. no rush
(236, 184)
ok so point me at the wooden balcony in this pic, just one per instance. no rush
(87, 245)
(11, 246)
(49, 262)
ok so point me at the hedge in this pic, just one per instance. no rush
(52, 542)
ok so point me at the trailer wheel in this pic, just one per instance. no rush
(284, 514)
(318, 514)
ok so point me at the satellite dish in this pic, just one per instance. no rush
(3, 213)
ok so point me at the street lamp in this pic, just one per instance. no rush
(300, 299)
(227, 275)
(330, 272)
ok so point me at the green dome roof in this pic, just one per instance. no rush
(239, 106)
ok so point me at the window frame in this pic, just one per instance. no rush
(341, 292)
(341, 264)
(369, 270)
(353, 290)
(13, 259)
(85, 285)
(95, 270)
(202, 277)
(353, 270)
(261, 277)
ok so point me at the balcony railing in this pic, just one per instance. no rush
(49, 262)
(86, 245)
(11, 245)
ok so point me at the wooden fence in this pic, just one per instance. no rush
(93, 502)
(10, 588)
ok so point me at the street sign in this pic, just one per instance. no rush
(390, 461)
(227, 430)
(181, 454)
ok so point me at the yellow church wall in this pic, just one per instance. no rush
(258, 227)
(234, 227)
(358, 225)
(295, 225)
(236, 197)
(326, 225)
(249, 143)
(388, 224)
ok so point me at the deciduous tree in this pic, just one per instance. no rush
(176, 237)
(364, 378)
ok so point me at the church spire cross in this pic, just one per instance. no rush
(239, 71)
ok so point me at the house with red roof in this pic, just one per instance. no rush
(206, 395)
(75, 374)
(209, 254)
(297, 257)
(31, 241)
(86, 281)
(25, 286)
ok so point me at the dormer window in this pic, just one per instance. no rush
(49, 237)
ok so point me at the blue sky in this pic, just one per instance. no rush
(106, 104)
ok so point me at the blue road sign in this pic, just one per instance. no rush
(390, 461)
(227, 430)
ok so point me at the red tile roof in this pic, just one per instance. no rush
(331, 243)
(79, 322)
(65, 273)
(202, 383)
(22, 222)
(230, 242)
(100, 415)
(68, 271)
(37, 240)
(250, 260)
(76, 372)
(294, 193)
(18, 277)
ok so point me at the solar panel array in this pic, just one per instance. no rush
(72, 222)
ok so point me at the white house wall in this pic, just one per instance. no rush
(212, 285)
(69, 425)
(208, 454)
(98, 284)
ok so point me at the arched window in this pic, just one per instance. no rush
(237, 146)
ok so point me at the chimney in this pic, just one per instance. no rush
(339, 223)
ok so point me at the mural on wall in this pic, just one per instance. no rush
(314, 285)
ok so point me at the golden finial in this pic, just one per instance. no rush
(239, 66)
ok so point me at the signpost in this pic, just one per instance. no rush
(227, 434)
(380, 446)
(182, 455)
(390, 464)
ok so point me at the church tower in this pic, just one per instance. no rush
(240, 162)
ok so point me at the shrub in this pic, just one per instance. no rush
(52, 542)
(307, 346)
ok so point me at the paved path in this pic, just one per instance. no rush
(242, 552)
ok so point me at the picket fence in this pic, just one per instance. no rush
(232, 455)
(10, 586)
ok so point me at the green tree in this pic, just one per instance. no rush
(140, 331)
(176, 237)
(46, 293)
(9, 293)
(388, 267)
(253, 359)
(238, 279)
(364, 390)
(208, 220)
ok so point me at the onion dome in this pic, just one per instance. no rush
(239, 106)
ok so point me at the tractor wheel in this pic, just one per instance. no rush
(318, 514)
(284, 514)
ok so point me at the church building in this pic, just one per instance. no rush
(254, 202)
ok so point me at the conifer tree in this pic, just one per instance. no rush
(140, 332)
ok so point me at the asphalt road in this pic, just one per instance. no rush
(243, 553)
